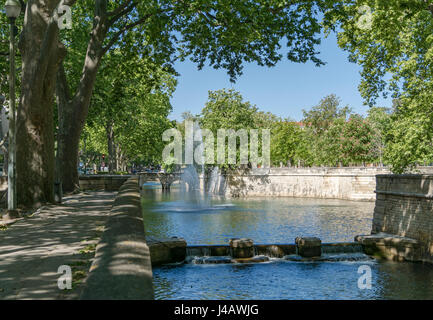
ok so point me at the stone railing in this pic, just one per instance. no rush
(122, 267)
(103, 182)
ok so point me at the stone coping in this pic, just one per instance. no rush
(122, 268)
(407, 175)
(104, 176)
(386, 239)
(304, 175)
(405, 194)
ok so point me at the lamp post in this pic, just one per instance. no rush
(13, 10)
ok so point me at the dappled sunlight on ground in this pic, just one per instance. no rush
(32, 249)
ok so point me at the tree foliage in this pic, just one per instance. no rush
(226, 109)
(129, 110)
(393, 43)
(320, 117)
(286, 142)
(329, 134)
(220, 33)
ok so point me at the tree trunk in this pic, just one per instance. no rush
(111, 148)
(41, 56)
(73, 110)
(118, 158)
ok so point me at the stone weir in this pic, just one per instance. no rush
(175, 251)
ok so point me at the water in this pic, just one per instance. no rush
(293, 280)
(214, 220)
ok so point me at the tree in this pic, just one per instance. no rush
(286, 140)
(323, 125)
(266, 120)
(327, 146)
(335, 136)
(222, 33)
(392, 42)
(187, 115)
(357, 140)
(409, 140)
(226, 109)
(320, 117)
(380, 122)
(41, 54)
(130, 106)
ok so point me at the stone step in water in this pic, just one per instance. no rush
(175, 250)
(167, 250)
(391, 247)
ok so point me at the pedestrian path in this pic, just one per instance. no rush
(32, 249)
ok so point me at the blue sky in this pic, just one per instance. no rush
(284, 90)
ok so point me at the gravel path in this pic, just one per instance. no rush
(32, 249)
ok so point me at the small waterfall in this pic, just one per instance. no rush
(338, 252)
(198, 251)
(211, 260)
(206, 252)
(203, 255)
(192, 252)
(347, 252)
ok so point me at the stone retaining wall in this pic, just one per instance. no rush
(102, 182)
(90, 182)
(122, 267)
(329, 183)
(404, 207)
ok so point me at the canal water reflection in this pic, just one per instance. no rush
(203, 220)
(214, 220)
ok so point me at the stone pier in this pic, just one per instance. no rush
(242, 248)
(403, 218)
(309, 247)
(167, 250)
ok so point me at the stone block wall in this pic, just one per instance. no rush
(90, 182)
(327, 183)
(103, 182)
(404, 207)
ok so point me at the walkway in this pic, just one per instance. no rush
(32, 249)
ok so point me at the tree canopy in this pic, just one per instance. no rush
(393, 43)
(129, 111)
